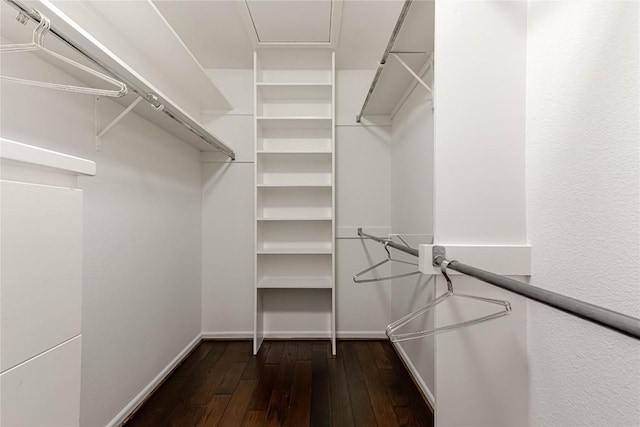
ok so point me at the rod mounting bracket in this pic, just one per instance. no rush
(439, 254)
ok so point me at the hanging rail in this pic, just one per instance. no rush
(406, 249)
(136, 86)
(613, 320)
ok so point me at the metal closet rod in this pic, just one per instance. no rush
(406, 249)
(146, 94)
(610, 319)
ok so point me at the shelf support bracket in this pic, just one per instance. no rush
(119, 117)
(413, 73)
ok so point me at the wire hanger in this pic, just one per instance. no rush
(37, 44)
(393, 327)
(356, 278)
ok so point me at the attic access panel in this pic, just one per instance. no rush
(290, 22)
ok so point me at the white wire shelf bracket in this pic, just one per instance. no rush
(135, 83)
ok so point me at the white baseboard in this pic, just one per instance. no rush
(415, 375)
(305, 335)
(128, 410)
(225, 335)
(361, 335)
(372, 335)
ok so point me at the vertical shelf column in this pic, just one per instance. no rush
(294, 194)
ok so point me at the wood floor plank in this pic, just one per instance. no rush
(278, 408)
(192, 415)
(255, 418)
(378, 354)
(215, 408)
(262, 393)
(284, 376)
(255, 364)
(341, 413)
(222, 384)
(382, 407)
(305, 349)
(360, 403)
(275, 352)
(320, 397)
(231, 378)
(234, 414)
(397, 388)
(191, 363)
(300, 400)
(236, 351)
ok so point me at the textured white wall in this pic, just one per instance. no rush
(142, 226)
(412, 213)
(479, 193)
(583, 184)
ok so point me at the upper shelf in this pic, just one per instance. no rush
(413, 41)
(75, 42)
(299, 91)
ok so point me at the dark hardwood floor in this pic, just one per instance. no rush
(289, 383)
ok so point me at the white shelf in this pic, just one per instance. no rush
(293, 185)
(268, 152)
(292, 139)
(295, 283)
(295, 91)
(291, 218)
(294, 202)
(294, 251)
(198, 87)
(416, 35)
(296, 169)
(294, 122)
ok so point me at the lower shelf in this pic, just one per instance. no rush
(295, 283)
(294, 251)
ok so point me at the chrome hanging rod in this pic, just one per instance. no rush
(610, 319)
(132, 83)
(613, 320)
(406, 249)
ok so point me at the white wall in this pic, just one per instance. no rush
(363, 189)
(142, 226)
(412, 213)
(583, 184)
(480, 54)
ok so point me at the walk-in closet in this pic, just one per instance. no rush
(319, 213)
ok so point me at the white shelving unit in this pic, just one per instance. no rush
(294, 177)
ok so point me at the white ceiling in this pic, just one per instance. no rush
(218, 37)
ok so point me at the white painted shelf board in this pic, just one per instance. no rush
(16, 151)
(269, 152)
(393, 83)
(295, 283)
(293, 185)
(70, 29)
(158, 40)
(292, 218)
(291, 122)
(416, 35)
(302, 84)
(164, 122)
(294, 251)
(291, 91)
